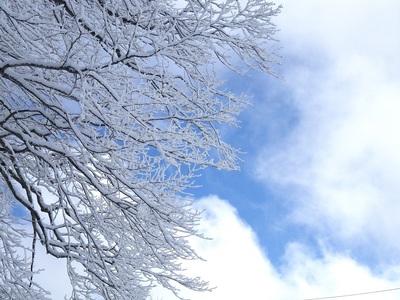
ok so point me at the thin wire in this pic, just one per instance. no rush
(351, 295)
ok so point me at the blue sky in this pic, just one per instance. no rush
(315, 210)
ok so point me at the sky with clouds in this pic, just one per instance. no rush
(315, 210)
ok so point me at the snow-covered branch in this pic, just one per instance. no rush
(109, 109)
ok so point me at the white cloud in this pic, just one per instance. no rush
(234, 264)
(240, 269)
(343, 155)
(332, 275)
(341, 28)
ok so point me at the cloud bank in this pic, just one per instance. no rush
(239, 268)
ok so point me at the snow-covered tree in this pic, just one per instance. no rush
(109, 109)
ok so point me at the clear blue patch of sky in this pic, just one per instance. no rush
(19, 210)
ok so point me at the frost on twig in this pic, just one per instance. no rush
(109, 109)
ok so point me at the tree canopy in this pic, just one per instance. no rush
(109, 109)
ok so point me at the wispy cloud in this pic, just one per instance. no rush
(343, 156)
